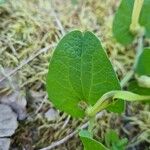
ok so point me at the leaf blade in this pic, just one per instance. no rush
(122, 21)
(89, 143)
(79, 71)
(143, 63)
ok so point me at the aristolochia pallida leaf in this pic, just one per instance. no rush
(142, 83)
(122, 21)
(80, 72)
(136, 88)
(143, 64)
(123, 17)
(89, 143)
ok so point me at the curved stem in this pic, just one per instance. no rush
(112, 97)
(134, 27)
(100, 104)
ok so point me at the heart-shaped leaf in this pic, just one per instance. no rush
(122, 21)
(89, 143)
(80, 72)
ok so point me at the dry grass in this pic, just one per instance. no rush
(30, 25)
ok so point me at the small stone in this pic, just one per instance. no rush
(4, 143)
(8, 121)
(12, 95)
(17, 102)
(51, 115)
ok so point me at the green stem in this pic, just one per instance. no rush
(139, 50)
(112, 97)
(100, 104)
(127, 77)
(91, 124)
(134, 27)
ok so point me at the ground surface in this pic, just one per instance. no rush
(26, 27)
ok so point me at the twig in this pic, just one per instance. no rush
(24, 62)
(43, 101)
(66, 122)
(66, 138)
(2, 71)
(58, 22)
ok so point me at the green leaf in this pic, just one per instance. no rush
(134, 87)
(143, 65)
(117, 106)
(144, 20)
(122, 21)
(89, 143)
(79, 71)
(113, 142)
(111, 137)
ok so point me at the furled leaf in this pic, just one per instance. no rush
(122, 21)
(89, 143)
(143, 65)
(79, 71)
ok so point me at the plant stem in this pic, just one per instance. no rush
(91, 124)
(127, 77)
(112, 97)
(100, 105)
(134, 27)
(139, 50)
